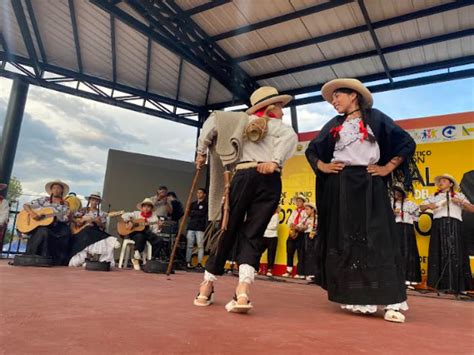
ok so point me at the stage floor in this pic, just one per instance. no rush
(73, 311)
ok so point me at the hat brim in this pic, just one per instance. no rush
(65, 186)
(283, 99)
(139, 205)
(449, 177)
(331, 86)
(302, 198)
(96, 197)
(399, 189)
(309, 204)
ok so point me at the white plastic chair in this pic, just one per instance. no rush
(125, 252)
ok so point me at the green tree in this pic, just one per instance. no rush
(14, 189)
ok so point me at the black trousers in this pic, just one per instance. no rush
(270, 244)
(294, 246)
(53, 240)
(140, 239)
(254, 198)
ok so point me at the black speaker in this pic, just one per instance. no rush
(32, 260)
(97, 265)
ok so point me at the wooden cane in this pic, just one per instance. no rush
(183, 221)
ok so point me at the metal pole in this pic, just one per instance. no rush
(11, 129)
(294, 118)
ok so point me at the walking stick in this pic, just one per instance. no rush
(183, 221)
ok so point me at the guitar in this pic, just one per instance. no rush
(25, 223)
(78, 226)
(138, 226)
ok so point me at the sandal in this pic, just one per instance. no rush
(208, 300)
(234, 307)
(394, 316)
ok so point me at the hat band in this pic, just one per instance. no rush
(266, 98)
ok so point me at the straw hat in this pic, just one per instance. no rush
(449, 177)
(95, 195)
(300, 197)
(264, 96)
(50, 184)
(354, 84)
(146, 201)
(3, 186)
(310, 204)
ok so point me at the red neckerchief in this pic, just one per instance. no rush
(146, 215)
(438, 191)
(261, 113)
(363, 130)
(297, 218)
(335, 131)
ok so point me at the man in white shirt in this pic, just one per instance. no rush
(255, 189)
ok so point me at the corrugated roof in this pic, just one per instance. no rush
(227, 48)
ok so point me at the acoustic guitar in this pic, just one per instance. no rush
(78, 226)
(25, 223)
(138, 226)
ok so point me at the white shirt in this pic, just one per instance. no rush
(350, 149)
(4, 211)
(294, 213)
(455, 211)
(272, 228)
(278, 145)
(154, 228)
(308, 224)
(411, 211)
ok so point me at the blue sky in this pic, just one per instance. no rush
(68, 137)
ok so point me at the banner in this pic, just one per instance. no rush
(444, 144)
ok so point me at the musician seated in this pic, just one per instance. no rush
(52, 240)
(89, 237)
(144, 216)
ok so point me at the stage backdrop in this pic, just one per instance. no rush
(444, 144)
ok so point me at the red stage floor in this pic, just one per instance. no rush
(73, 311)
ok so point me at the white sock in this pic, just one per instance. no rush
(136, 255)
(209, 277)
(246, 273)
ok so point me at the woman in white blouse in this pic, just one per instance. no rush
(354, 157)
(92, 240)
(307, 256)
(448, 261)
(406, 212)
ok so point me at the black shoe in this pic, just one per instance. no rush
(199, 266)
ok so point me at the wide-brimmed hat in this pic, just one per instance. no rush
(449, 177)
(353, 84)
(264, 96)
(65, 186)
(95, 195)
(3, 186)
(146, 201)
(310, 204)
(300, 197)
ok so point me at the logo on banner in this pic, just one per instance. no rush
(449, 132)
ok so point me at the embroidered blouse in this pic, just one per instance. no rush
(61, 211)
(352, 149)
(455, 211)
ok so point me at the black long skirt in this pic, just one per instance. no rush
(307, 259)
(448, 261)
(88, 236)
(53, 240)
(409, 250)
(358, 248)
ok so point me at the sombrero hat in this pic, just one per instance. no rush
(310, 204)
(449, 177)
(146, 201)
(3, 186)
(354, 84)
(50, 184)
(264, 96)
(300, 197)
(95, 195)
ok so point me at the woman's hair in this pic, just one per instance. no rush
(363, 107)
